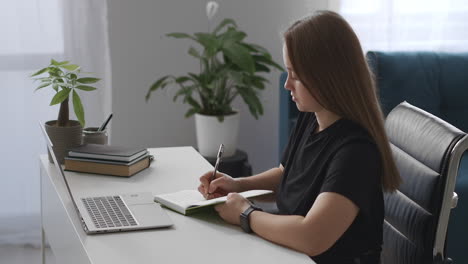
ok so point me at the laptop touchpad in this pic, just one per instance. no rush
(151, 215)
(138, 198)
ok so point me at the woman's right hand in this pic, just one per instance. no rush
(220, 186)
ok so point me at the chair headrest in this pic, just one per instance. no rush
(421, 134)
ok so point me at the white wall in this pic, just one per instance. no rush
(140, 53)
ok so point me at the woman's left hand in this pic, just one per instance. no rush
(230, 210)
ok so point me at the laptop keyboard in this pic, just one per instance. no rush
(108, 211)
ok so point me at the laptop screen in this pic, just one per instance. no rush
(57, 165)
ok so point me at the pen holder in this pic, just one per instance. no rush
(92, 136)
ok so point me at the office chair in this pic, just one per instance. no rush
(427, 151)
(437, 83)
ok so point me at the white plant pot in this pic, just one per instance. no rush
(211, 133)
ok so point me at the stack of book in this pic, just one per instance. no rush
(108, 160)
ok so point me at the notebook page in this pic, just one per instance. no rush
(183, 198)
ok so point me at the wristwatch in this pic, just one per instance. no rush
(244, 217)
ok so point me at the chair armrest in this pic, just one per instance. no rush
(454, 200)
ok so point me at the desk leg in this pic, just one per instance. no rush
(43, 239)
(43, 245)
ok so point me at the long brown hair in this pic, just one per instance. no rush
(327, 57)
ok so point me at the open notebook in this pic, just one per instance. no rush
(190, 201)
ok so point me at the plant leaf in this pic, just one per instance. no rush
(192, 102)
(78, 107)
(182, 79)
(258, 104)
(259, 49)
(43, 79)
(267, 60)
(209, 42)
(160, 83)
(260, 78)
(191, 112)
(62, 63)
(259, 84)
(261, 67)
(257, 81)
(240, 56)
(60, 96)
(70, 67)
(179, 35)
(41, 71)
(66, 85)
(220, 118)
(179, 93)
(56, 63)
(192, 51)
(223, 23)
(43, 85)
(88, 80)
(54, 73)
(232, 35)
(85, 88)
(195, 77)
(236, 76)
(252, 101)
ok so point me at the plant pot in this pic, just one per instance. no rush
(63, 138)
(211, 133)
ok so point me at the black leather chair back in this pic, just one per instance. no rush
(426, 150)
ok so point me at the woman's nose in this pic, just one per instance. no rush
(287, 85)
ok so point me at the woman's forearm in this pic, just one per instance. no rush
(267, 180)
(328, 219)
(287, 230)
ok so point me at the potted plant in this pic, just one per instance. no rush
(229, 67)
(63, 78)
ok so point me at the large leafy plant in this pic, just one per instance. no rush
(229, 67)
(63, 78)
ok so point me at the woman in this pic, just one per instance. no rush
(338, 160)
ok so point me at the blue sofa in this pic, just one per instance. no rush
(435, 82)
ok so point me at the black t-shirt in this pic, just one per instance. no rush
(343, 159)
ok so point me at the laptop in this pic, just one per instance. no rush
(114, 213)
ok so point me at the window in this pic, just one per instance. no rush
(31, 33)
(408, 25)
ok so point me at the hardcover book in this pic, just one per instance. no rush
(107, 152)
(105, 167)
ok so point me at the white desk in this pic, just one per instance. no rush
(202, 238)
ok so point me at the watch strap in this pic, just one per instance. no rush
(244, 217)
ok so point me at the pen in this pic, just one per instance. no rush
(103, 126)
(218, 160)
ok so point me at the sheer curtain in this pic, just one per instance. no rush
(391, 25)
(33, 32)
(86, 43)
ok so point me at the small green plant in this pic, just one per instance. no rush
(63, 78)
(229, 67)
